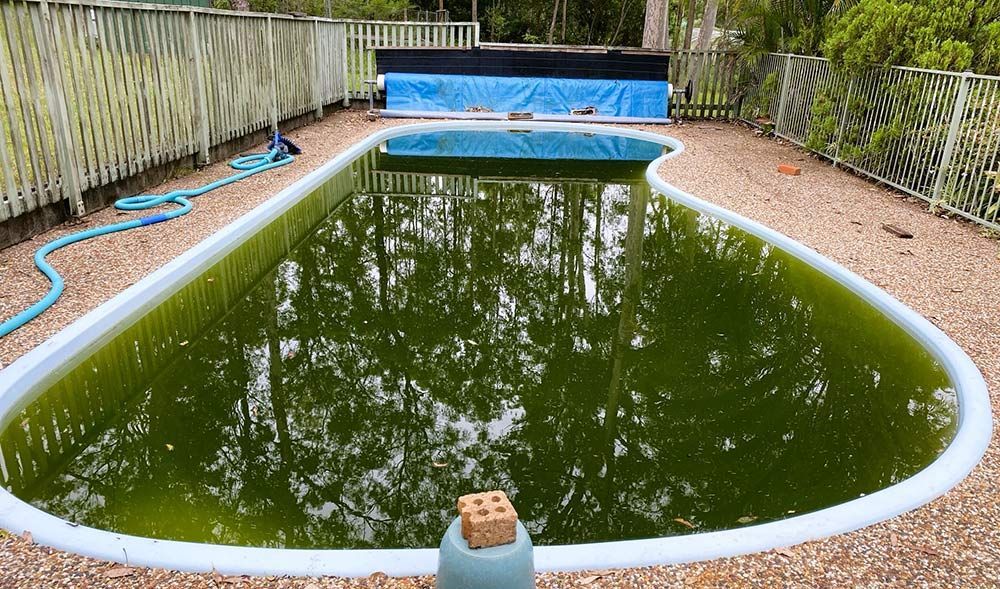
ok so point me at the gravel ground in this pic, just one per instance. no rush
(949, 272)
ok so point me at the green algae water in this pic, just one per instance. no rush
(457, 312)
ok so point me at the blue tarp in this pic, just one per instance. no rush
(448, 93)
(548, 145)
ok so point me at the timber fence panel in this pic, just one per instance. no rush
(95, 91)
(363, 37)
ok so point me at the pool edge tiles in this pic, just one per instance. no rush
(26, 374)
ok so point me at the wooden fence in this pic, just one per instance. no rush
(932, 134)
(96, 91)
(364, 37)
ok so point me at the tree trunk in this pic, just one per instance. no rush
(708, 25)
(656, 32)
(689, 32)
(475, 10)
(564, 21)
(704, 42)
(552, 25)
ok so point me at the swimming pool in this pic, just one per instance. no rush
(451, 307)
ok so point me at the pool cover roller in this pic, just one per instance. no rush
(450, 93)
(543, 84)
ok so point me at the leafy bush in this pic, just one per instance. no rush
(934, 34)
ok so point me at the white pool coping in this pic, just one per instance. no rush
(19, 379)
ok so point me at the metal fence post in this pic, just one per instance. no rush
(62, 134)
(783, 93)
(957, 113)
(200, 92)
(843, 121)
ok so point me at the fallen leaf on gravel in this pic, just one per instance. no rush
(927, 550)
(684, 522)
(897, 231)
(588, 580)
(893, 540)
(119, 572)
(27, 537)
(787, 553)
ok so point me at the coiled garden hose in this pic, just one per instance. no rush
(248, 166)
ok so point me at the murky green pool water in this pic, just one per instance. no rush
(429, 325)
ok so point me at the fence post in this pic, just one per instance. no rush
(274, 74)
(783, 94)
(343, 62)
(475, 29)
(949, 145)
(58, 114)
(843, 121)
(200, 93)
(317, 90)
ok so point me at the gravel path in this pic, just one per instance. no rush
(949, 272)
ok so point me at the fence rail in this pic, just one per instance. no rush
(932, 134)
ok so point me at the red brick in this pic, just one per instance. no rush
(789, 169)
(488, 519)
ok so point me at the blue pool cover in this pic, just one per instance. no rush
(453, 93)
(533, 145)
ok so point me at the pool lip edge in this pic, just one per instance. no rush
(971, 438)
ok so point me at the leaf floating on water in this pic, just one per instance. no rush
(211, 279)
(439, 464)
(170, 447)
(746, 519)
(184, 343)
(119, 572)
(684, 522)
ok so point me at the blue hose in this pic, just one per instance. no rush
(249, 165)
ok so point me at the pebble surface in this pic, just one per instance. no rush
(949, 272)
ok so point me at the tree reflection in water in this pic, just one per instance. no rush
(613, 361)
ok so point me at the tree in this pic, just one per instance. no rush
(935, 34)
(763, 26)
(708, 25)
(656, 32)
(689, 31)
